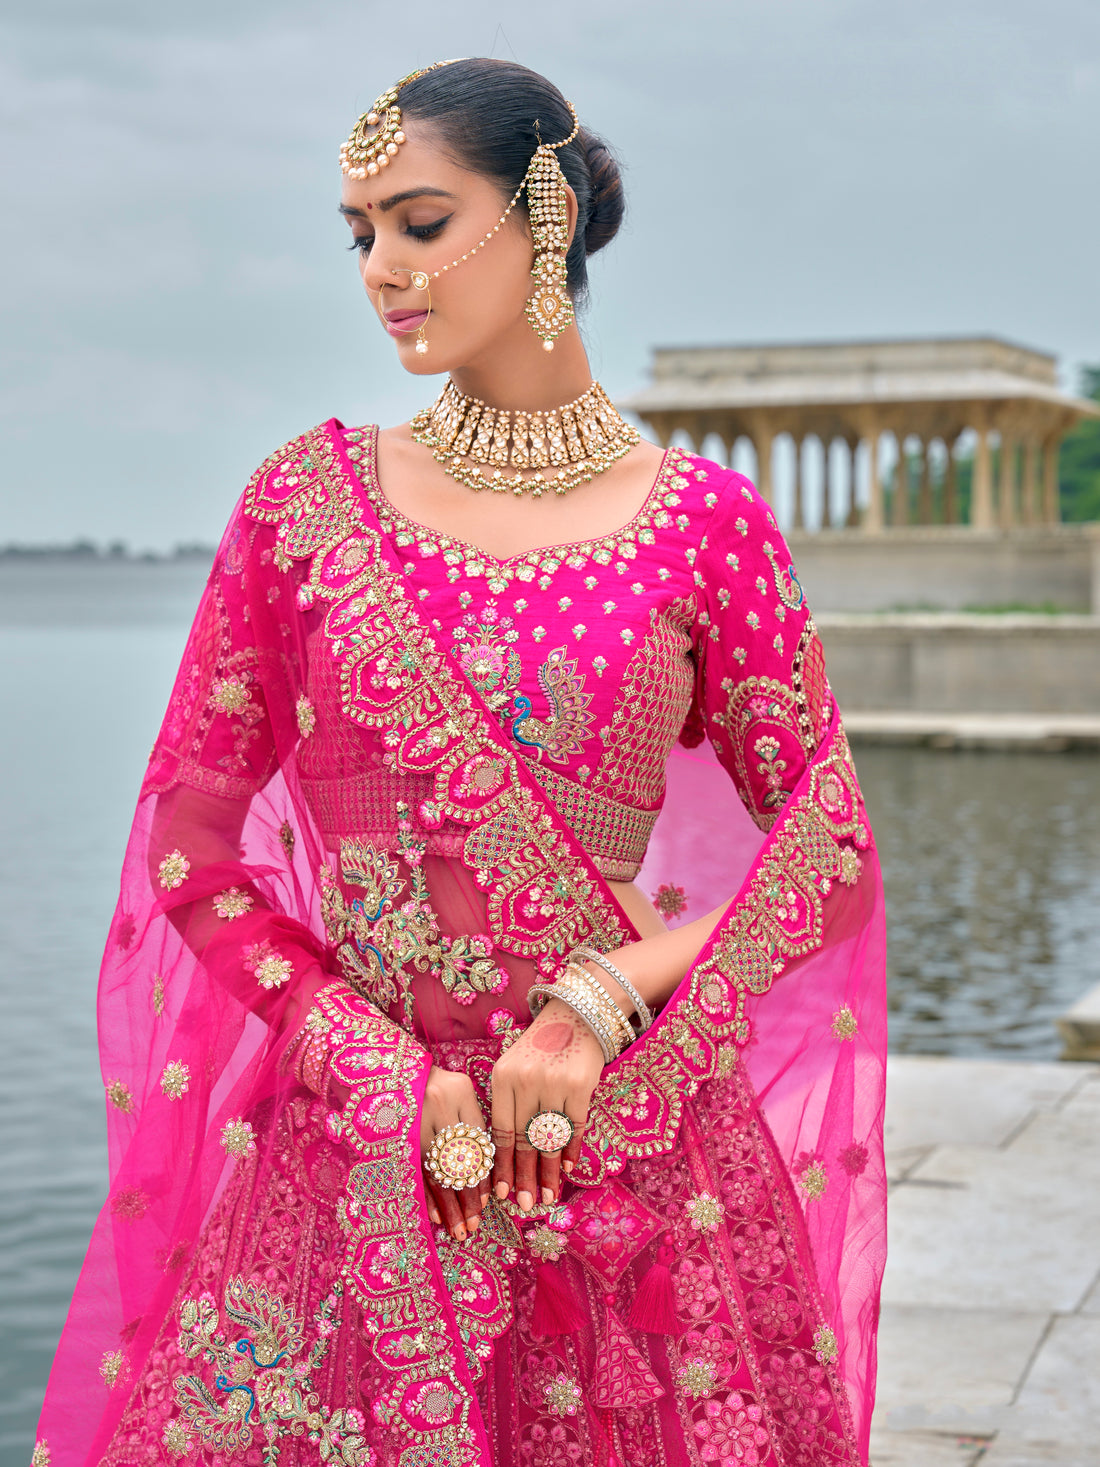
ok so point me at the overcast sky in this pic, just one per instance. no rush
(178, 301)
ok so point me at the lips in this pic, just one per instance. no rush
(401, 322)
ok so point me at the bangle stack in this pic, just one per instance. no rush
(642, 1010)
(587, 997)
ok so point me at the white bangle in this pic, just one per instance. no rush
(641, 1008)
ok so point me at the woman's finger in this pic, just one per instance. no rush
(527, 1158)
(503, 1131)
(473, 1199)
(570, 1155)
(431, 1200)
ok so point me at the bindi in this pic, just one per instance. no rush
(552, 1038)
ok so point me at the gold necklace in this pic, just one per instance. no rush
(574, 443)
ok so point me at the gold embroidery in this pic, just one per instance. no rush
(845, 1025)
(40, 1457)
(233, 903)
(755, 704)
(270, 968)
(120, 1096)
(158, 994)
(787, 583)
(176, 1080)
(173, 870)
(614, 835)
(696, 1377)
(569, 725)
(563, 1395)
(238, 1137)
(705, 1213)
(286, 836)
(306, 716)
(261, 1389)
(110, 1367)
(825, 1345)
(231, 694)
(650, 709)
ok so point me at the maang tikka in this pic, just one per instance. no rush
(549, 308)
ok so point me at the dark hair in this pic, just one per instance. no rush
(485, 112)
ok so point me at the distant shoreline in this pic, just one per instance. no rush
(87, 552)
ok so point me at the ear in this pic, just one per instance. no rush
(572, 210)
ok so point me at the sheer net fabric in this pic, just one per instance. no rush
(345, 867)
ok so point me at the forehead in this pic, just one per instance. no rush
(420, 162)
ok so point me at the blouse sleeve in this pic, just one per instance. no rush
(761, 697)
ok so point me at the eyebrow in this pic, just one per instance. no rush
(394, 199)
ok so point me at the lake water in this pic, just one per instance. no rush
(992, 865)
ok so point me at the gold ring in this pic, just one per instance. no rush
(549, 1130)
(460, 1156)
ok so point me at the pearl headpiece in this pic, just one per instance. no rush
(377, 135)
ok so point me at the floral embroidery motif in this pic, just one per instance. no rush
(130, 1203)
(158, 994)
(173, 870)
(120, 1096)
(306, 715)
(270, 968)
(109, 1368)
(569, 726)
(231, 694)
(394, 927)
(762, 713)
(238, 1138)
(810, 1174)
(731, 1430)
(563, 1394)
(854, 1159)
(705, 1213)
(546, 1243)
(175, 1438)
(845, 1024)
(233, 903)
(670, 901)
(696, 1377)
(40, 1457)
(825, 1346)
(286, 838)
(260, 1388)
(487, 658)
(176, 1080)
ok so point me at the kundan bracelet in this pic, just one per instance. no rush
(641, 1008)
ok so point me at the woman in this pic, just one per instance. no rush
(407, 776)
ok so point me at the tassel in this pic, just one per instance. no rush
(622, 1376)
(654, 1306)
(554, 1311)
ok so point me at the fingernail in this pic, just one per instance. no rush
(472, 1223)
(502, 1190)
(525, 1200)
(567, 1167)
(459, 1234)
(547, 1194)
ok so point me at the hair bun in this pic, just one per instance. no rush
(607, 205)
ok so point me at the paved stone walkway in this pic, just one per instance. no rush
(989, 1350)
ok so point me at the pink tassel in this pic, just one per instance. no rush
(654, 1306)
(555, 1311)
(622, 1375)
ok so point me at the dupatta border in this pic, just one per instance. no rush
(395, 679)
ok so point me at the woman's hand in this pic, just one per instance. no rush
(448, 1099)
(555, 1064)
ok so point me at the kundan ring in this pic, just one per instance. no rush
(460, 1156)
(550, 1130)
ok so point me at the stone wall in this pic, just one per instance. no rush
(949, 568)
(963, 663)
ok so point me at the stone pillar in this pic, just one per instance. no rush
(1006, 488)
(762, 442)
(901, 483)
(950, 484)
(851, 520)
(1029, 491)
(828, 484)
(1052, 505)
(981, 497)
(799, 513)
(924, 491)
(874, 521)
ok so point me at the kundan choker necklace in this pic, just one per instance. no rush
(547, 451)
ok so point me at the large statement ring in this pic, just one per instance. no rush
(550, 1130)
(460, 1156)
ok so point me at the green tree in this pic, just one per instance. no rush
(1079, 463)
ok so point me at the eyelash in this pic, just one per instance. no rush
(421, 232)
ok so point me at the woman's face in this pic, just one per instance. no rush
(420, 213)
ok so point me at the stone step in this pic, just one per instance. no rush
(1079, 1027)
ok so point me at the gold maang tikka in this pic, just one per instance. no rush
(549, 308)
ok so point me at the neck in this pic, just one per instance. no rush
(520, 375)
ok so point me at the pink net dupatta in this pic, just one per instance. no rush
(263, 1278)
